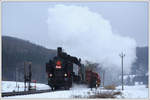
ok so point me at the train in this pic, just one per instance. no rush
(61, 74)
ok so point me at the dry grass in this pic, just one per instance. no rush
(110, 87)
(99, 94)
(102, 95)
(117, 93)
(105, 95)
(77, 96)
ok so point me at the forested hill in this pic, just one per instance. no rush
(15, 51)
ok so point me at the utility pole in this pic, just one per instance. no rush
(16, 76)
(122, 55)
(27, 76)
(103, 77)
(30, 74)
(24, 76)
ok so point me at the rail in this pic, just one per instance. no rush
(6, 94)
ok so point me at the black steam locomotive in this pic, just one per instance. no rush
(60, 70)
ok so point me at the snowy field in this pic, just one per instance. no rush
(138, 91)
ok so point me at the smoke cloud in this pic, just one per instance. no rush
(88, 35)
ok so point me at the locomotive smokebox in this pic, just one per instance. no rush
(59, 51)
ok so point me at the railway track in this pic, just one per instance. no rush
(6, 94)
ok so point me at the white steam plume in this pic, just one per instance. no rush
(88, 35)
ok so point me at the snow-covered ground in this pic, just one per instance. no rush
(138, 91)
(10, 86)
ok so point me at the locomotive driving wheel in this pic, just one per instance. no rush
(66, 87)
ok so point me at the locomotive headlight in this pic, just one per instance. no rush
(96, 85)
(65, 74)
(50, 75)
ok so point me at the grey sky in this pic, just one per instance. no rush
(27, 20)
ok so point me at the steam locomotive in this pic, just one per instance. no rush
(60, 72)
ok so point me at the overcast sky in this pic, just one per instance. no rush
(28, 20)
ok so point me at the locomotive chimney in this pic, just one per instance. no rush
(59, 51)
